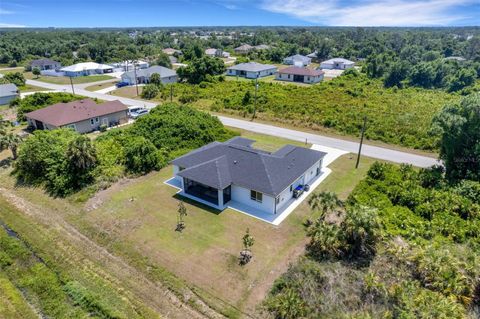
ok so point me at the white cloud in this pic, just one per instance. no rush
(11, 25)
(370, 12)
(3, 11)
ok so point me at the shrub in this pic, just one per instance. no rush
(141, 156)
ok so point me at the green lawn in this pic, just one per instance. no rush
(97, 87)
(31, 88)
(66, 80)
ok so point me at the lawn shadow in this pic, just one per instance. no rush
(197, 204)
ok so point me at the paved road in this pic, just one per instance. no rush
(367, 150)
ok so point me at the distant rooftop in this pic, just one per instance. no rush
(252, 67)
(8, 89)
(295, 70)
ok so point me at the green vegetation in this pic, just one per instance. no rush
(16, 78)
(64, 161)
(76, 80)
(424, 258)
(201, 69)
(337, 106)
(40, 100)
(459, 128)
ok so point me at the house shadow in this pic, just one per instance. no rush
(201, 206)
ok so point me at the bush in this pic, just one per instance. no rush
(16, 78)
(141, 156)
(150, 91)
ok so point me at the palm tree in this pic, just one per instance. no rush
(325, 201)
(82, 154)
(10, 141)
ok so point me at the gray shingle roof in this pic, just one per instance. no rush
(163, 71)
(252, 67)
(8, 89)
(237, 162)
(298, 57)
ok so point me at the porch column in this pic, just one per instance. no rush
(182, 184)
(220, 198)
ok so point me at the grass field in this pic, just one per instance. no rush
(66, 80)
(97, 87)
(31, 88)
(135, 219)
(128, 91)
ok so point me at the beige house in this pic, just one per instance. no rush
(300, 74)
(83, 115)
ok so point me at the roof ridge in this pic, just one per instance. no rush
(267, 173)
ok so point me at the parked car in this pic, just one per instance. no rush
(121, 84)
(137, 114)
(134, 109)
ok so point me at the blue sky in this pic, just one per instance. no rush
(131, 13)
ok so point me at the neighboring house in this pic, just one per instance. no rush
(45, 64)
(261, 47)
(456, 58)
(128, 65)
(83, 115)
(243, 49)
(298, 60)
(171, 51)
(337, 64)
(252, 70)
(213, 52)
(143, 76)
(313, 56)
(300, 74)
(8, 92)
(234, 171)
(86, 68)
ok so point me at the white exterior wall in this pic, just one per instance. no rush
(6, 99)
(306, 78)
(306, 177)
(252, 75)
(242, 195)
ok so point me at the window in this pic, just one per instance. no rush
(278, 200)
(291, 187)
(96, 120)
(256, 196)
(91, 121)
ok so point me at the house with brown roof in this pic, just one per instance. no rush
(300, 74)
(83, 115)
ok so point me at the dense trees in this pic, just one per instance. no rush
(459, 128)
(16, 78)
(425, 261)
(199, 69)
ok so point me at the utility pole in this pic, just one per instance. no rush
(135, 74)
(171, 93)
(71, 83)
(361, 140)
(255, 101)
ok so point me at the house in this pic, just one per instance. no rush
(8, 92)
(220, 174)
(243, 49)
(45, 64)
(128, 65)
(83, 115)
(298, 60)
(455, 58)
(261, 47)
(252, 70)
(300, 74)
(86, 68)
(213, 52)
(171, 51)
(313, 56)
(337, 63)
(143, 75)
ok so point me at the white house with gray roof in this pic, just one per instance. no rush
(297, 60)
(222, 174)
(252, 70)
(143, 75)
(8, 92)
(337, 64)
